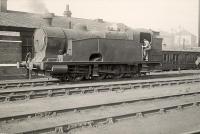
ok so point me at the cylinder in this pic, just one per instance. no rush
(59, 69)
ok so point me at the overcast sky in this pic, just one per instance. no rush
(154, 14)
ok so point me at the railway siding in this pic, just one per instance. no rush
(7, 84)
(60, 90)
(93, 118)
(66, 104)
(25, 83)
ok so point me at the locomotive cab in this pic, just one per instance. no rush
(145, 40)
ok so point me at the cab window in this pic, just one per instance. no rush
(146, 36)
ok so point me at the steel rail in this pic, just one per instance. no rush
(61, 90)
(60, 127)
(54, 112)
(42, 82)
(26, 83)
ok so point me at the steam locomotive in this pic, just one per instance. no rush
(76, 54)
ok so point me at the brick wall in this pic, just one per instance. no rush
(11, 71)
(10, 52)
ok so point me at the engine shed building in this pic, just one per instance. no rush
(14, 48)
(25, 23)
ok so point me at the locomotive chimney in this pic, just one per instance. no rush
(3, 5)
(68, 15)
(48, 17)
(67, 12)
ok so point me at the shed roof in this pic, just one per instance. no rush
(31, 20)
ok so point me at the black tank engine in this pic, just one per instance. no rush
(76, 54)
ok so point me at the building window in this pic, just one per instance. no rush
(186, 58)
(177, 57)
(165, 58)
(169, 58)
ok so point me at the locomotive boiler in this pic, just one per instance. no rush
(76, 54)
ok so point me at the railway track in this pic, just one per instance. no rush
(45, 81)
(66, 119)
(61, 90)
(27, 83)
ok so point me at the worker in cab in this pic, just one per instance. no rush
(146, 46)
(60, 56)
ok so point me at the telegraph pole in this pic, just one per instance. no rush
(199, 25)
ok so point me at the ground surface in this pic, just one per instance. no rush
(64, 102)
(171, 122)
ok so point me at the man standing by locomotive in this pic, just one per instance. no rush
(197, 62)
(29, 65)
